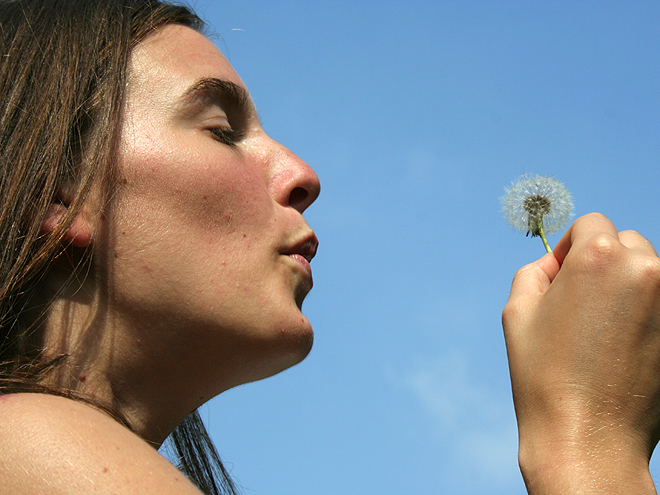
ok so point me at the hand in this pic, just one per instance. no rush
(582, 329)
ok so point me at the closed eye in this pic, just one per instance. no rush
(226, 135)
(224, 107)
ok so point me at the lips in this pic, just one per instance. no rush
(304, 250)
(307, 249)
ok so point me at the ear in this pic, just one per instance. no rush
(78, 234)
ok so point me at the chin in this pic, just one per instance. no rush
(297, 344)
(291, 348)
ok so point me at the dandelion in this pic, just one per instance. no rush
(538, 205)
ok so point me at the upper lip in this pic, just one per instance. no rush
(306, 247)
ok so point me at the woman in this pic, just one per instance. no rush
(155, 249)
(155, 255)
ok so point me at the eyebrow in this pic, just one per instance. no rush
(227, 92)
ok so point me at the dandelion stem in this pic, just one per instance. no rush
(541, 234)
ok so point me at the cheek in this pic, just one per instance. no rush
(192, 219)
(185, 225)
(207, 190)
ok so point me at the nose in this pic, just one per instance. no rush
(293, 183)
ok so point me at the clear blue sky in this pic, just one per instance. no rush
(416, 115)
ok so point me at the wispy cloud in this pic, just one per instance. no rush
(469, 418)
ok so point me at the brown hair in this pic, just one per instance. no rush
(63, 72)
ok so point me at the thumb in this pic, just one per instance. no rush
(529, 285)
(535, 278)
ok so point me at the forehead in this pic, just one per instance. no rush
(175, 57)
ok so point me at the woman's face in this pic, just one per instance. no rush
(206, 241)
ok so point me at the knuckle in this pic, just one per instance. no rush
(648, 271)
(595, 216)
(602, 249)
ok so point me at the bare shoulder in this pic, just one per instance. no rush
(58, 446)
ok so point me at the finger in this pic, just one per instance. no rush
(534, 278)
(584, 228)
(636, 241)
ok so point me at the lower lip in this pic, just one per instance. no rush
(302, 261)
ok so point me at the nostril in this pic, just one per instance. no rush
(298, 196)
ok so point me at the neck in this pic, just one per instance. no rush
(112, 366)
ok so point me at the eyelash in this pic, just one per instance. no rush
(226, 135)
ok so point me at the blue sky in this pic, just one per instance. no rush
(416, 115)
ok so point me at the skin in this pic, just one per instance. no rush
(582, 329)
(201, 265)
(205, 242)
(201, 255)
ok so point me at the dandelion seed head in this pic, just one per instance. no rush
(535, 198)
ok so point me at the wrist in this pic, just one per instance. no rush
(583, 462)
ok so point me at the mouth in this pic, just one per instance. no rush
(306, 248)
(301, 253)
(304, 251)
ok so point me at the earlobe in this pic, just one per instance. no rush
(79, 233)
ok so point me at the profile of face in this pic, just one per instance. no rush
(206, 246)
